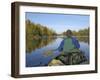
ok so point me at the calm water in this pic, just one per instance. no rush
(35, 54)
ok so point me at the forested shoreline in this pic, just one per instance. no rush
(38, 30)
(42, 35)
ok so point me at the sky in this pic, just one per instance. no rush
(59, 22)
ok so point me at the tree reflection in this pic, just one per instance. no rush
(35, 43)
(83, 39)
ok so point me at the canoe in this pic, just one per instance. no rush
(71, 58)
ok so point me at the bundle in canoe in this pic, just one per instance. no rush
(60, 58)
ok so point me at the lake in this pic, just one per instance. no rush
(36, 48)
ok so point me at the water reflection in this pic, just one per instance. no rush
(36, 43)
(83, 39)
(35, 57)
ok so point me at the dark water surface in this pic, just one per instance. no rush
(35, 57)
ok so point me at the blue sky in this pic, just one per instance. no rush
(59, 22)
